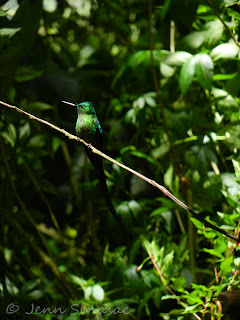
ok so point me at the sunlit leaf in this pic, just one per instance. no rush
(224, 51)
(236, 166)
(98, 292)
(194, 40)
(213, 252)
(224, 76)
(166, 70)
(50, 5)
(177, 58)
(88, 292)
(186, 74)
(226, 265)
(8, 32)
(204, 70)
(213, 31)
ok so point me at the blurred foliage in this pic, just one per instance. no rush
(62, 255)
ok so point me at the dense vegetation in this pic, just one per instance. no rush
(164, 78)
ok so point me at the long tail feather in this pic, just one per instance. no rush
(97, 163)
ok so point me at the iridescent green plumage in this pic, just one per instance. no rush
(89, 129)
(87, 125)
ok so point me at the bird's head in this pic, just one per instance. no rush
(85, 107)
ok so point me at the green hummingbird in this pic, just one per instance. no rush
(89, 129)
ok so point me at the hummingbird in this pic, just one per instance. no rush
(89, 129)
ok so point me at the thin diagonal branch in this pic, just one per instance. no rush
(168, 288)
(224, 24)
(141, 176)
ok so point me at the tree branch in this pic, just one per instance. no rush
(141, 176)
(224, 24)
(168, 288)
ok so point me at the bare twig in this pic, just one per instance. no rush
(141, 176)
(224, 24)
(219, 305)
(168, 288)
(172, 36)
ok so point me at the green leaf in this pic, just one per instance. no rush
(88, 292)
(214, 252)
(79, 281)
(204, 70)
(37, 141)
(177, 58)
(139, 103)
(213, 31)
(224, 51)
(190, 309)
(230, 183)
(186, 74)
(56, 143)
(168, 259)
(98, 292)
(166, 70)
(35, 294)
(165, 9)
(179, 283)
(236, 166)
(25, 73)
(143, 156)
(233, 13)
(125, 212)
(237, 262)
(41, 106)
(198, 224)
(50, 5)
(11, 135)
(194, 40)
(30, 285)
(8, 32)
(220, 245)
(228, 103)
(168, 177)
(219, 93)
(218, 77)
(150, 101)
(226, 265)
(134, 207)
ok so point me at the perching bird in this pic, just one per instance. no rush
(89, 129)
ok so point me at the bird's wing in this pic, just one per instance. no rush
(99, 139)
